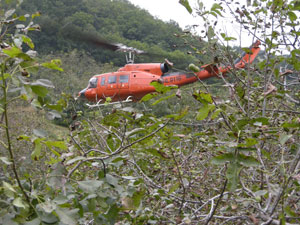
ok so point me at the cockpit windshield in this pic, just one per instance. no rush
(93, 82)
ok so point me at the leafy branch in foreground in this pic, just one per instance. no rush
(16, 84)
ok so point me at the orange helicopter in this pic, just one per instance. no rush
(132, 82)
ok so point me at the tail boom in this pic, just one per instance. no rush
(211, 70)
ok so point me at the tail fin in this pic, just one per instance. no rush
(247, 58)
(211, 70)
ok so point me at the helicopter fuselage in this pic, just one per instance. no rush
(134, 80)
(119, 85)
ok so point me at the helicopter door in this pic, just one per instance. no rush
(112, 82)
(123, 82)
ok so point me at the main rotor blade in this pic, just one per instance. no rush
(73, 33)
(77, 35)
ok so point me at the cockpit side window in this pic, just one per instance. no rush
(102, 81)
(124, 78)
(112, 79)
(93, 82)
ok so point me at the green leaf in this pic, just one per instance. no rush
(92, 204)
(39, 90)
(260, 120)
(240, 91)
(35, 221)
(61, 199)
(112, 214)
(247, 160)
(215, 8)
(67, 216)
(8, 187)
(24, 137)
(149, 96)
(55, 107)
(222, 159)
(22, 18)
(35, 15)
(291, 124)
(211, 32)
(57, 175)
(6, 76)
(283, 138)
(54, 64)
(24, 57)
(90, 186)
(137, 197)
(37, 149)
(18, 202)
(163, 99)
(28, 41)
(112, 180)
(57, 144)
(242, 123)
(49, 218)
(216, 114)
(227, 38)
(174, 188)
(181, 114)
(247, 50)
(203, 97)
(249, 142)
(162, 88)
(204, 111)
(290, 212)
(12, 52)
(48, 206)
(232, 174)
(186, 4)
(30, 66)
(292, 16)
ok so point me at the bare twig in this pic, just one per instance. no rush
(211, 214)
(285, 185)
(181, 180)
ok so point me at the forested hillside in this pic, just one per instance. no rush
(114, 21)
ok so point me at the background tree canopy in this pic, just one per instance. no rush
(117, 21)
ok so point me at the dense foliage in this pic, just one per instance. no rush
(221, 154)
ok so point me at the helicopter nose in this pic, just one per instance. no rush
(82, 93)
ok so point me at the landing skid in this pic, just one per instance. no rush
(100, 104)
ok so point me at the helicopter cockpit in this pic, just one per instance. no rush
(93, 83)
